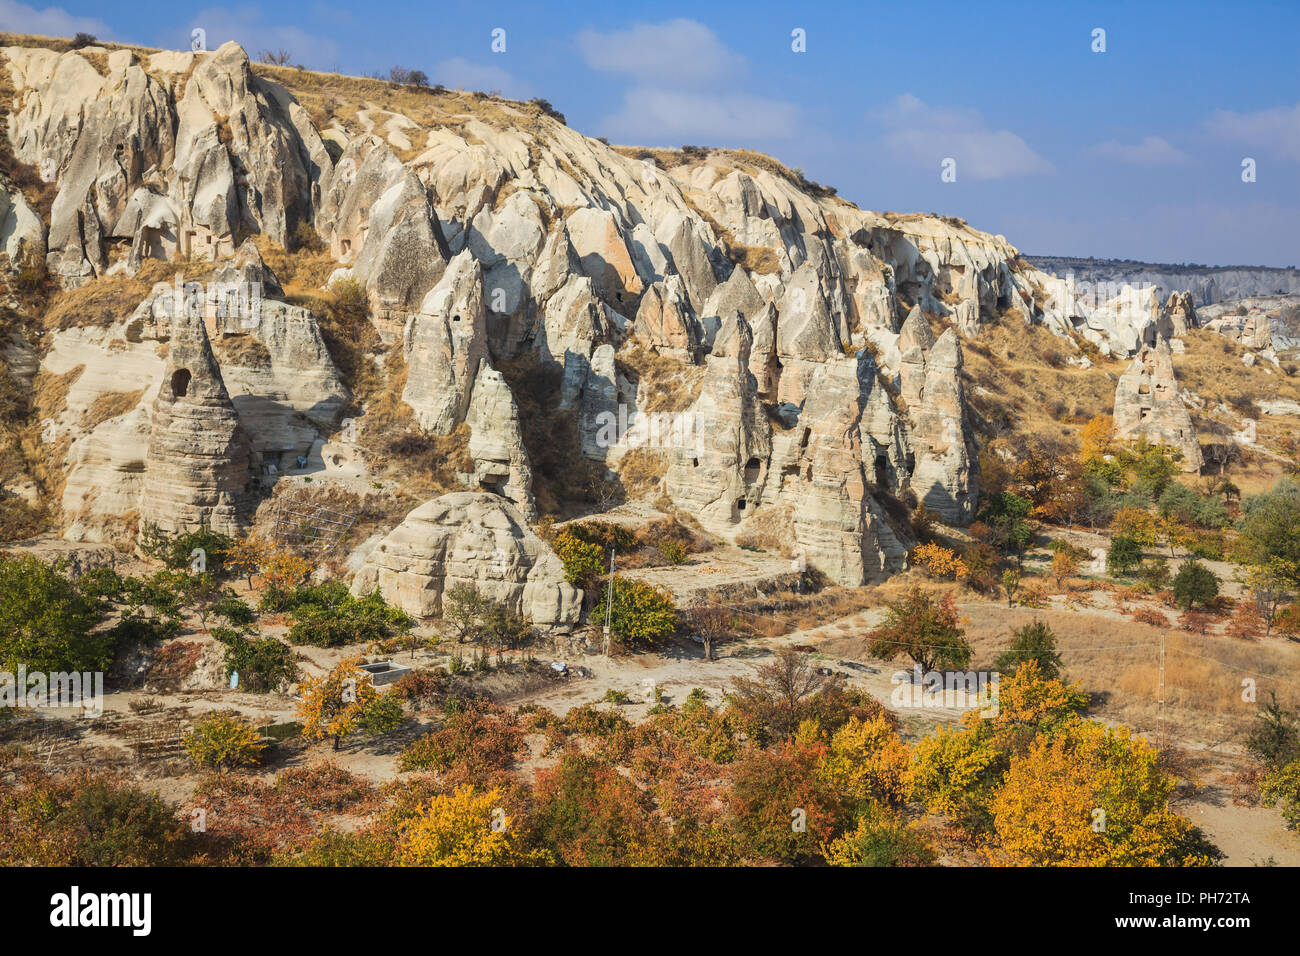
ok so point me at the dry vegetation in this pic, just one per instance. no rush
(1017, 380)
(662, 384)
(109, 405)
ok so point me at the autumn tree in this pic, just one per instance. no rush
(224, 740)
(1064, 565)
(284, 570)
(331, 706)
(926, 630)
(1089, 795)
(867, 762)
(782, 809)
(465, 828)
(777, 696)
(246, 556)
(712, 623)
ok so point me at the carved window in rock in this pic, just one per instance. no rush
(180, 383)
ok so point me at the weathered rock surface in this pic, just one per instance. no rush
(377, 217)
(500, 461)
(199, 465)
(445, 343)
(181, 157)
(469, 538)
(1147, 405)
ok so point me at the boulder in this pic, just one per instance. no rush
(477, 539)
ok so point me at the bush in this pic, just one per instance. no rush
(178, 551)
(86, 819)
(224, 740)
(881, 838)
(1037, 642)
(343, 619)
(1154, 573)
(47, 621)
(926, 630)
(584, 562)
(604, 535)
(639, 613)
(1194, 584)
(1124, 555)
(262, 663)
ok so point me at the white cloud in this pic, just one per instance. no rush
(1152, 151)
(686, 87)
(248, 27)
(675, 53)
(460, 73)
(49, 22)
(927, 135)
(1272, 129)
(712, 118)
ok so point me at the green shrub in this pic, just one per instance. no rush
(48, 622)
(343, 619)
(604, 535)
(1035, 641)
(1195, 584)
(1125, 554)
(262, 663)
(178, 551)
(222, 741)
(639, 613)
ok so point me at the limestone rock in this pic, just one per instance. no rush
(1147, 406)
(500, 461)
(666, 322)
(20, 227)
(198, 467)
(444, 343)
(1181, 313)
(823, 475)
(469, 538)
(376, 215)
(945, 478)
(718, 465)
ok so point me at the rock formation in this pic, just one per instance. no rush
(198, 466)
(444, 343)
(1147, 406)
(469, 538)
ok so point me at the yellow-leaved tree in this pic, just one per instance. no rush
(867, 760)
(464, 828)
(1089, 795)
(332, 705)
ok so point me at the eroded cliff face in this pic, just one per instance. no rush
(800, 359)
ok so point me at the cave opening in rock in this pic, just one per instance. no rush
(180, 382)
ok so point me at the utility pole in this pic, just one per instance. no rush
(609, 602)
(1160, 699)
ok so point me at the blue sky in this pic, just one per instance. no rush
(1135, 152)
